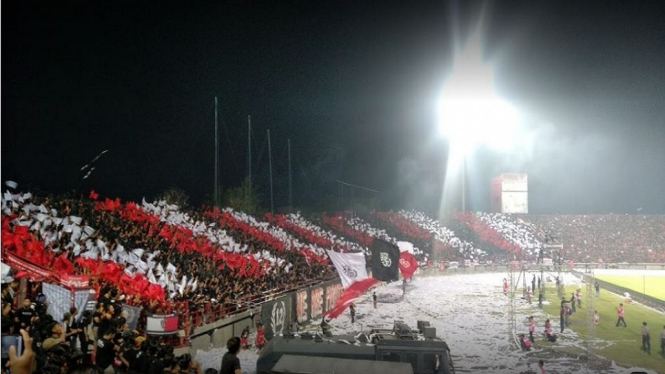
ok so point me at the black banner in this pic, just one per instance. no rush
(276, 316)
(385, 261)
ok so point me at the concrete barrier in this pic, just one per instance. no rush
(200, 342)
(222, 335)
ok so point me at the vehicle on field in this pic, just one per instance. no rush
(420, 348)
(289, 364)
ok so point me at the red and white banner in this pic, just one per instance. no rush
(351, 266)
(407, 264)
(161, 324)
(36, 272)
(74, 281)
(349, 295)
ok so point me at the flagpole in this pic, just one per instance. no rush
(290, 186)
(249, 156)
(272, 205)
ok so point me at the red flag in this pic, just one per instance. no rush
(94, 195)
(350, 294)
(63, 265)
(21, 274)
(407, 264)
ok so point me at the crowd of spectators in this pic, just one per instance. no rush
(88, 342)
(356, 229)
(608, 238)
(173, 257)
(489, 235)
(464, 250)
(164, 260)
(309, 232)
(527, 237)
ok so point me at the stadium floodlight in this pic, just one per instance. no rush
(470, 121)
(472, 113)
(471, 110)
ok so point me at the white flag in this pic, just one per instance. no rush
(350, 266)
(138, 251)
(151, 277)
(182, 285)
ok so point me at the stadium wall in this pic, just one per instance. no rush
(276, 315)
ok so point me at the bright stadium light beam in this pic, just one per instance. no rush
(468, 122)
(471, 113)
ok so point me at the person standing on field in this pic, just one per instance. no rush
(646, 338)
(621, 314)
(562, 314)
(578, 297)
(230, 361)
(532, 328)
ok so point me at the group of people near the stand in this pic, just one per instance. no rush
(86, 342)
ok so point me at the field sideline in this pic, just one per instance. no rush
(623, 345)
(648, 282)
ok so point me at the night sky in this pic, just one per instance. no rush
(354, 85)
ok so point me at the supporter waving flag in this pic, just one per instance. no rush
(350, 266)
(385, 260)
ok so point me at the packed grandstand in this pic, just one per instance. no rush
(207, 264)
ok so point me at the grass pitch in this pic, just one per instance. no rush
(623, 345)
(653, 286)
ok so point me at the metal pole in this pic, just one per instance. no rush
(290, 185)
(464, 184)
(272, 206)
(249, 156)
(215, 191)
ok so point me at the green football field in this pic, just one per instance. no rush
(653, 286)
(621, 344)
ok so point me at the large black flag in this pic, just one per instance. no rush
(385, 261)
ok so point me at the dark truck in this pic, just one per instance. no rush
(420, 348)
(327, 365)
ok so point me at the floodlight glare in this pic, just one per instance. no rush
(471, 111)
(468, 121)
